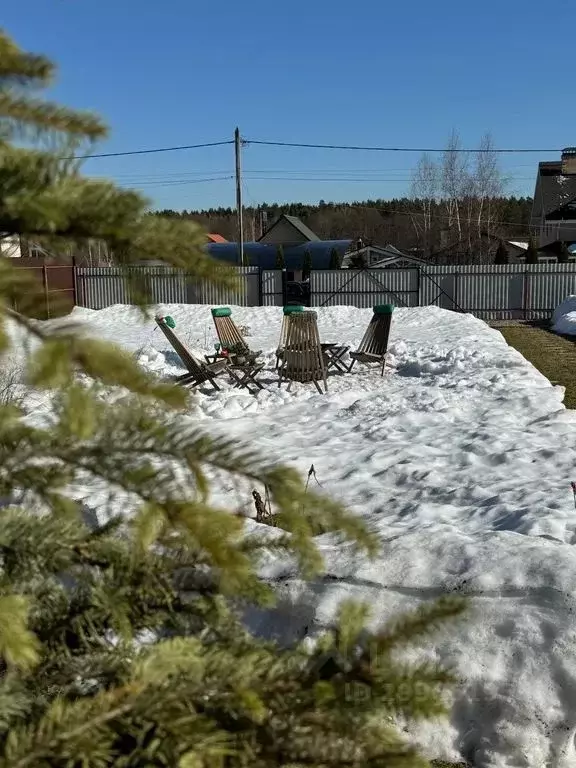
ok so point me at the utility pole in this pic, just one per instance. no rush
(238, 149)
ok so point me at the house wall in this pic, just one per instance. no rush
(553, 231)
(283, 234)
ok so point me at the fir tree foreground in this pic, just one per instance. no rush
(120, 641)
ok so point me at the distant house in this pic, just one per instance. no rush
(16, 247)
(481, 250)
(10, 246)
(376, 256)
(554, 208)
(216, 238)
(287, 231)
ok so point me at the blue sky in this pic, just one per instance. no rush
(364, 73)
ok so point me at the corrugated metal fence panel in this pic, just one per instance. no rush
(100, 287)
(333, 287)
(272, 288)
(488, 291)
(167, 286)
(546, 289)
(514, 291)
(499, 292)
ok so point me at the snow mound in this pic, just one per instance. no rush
(461, 457)
(564, 317)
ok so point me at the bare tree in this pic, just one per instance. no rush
(489, 184)
(455, 181)
(465, 186)
(425, 190)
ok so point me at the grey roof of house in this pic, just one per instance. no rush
(393, 248)
(297, 224)
(555, 189)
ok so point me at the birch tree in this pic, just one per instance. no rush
(489, 184)
(454, 181)
(424, 191)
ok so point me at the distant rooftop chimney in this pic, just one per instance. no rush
(569, 161)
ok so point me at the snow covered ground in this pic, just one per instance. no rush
(462, 457)
(564, 317)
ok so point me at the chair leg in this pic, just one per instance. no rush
(349, 369)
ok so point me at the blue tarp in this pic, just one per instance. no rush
(264, 255)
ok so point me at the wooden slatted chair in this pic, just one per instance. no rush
(374, 345)
(302, 358)
(229, 334)
(287, 311)
(199, 372)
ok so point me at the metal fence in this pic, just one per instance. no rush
(514, 291)
(52, 291)
(365, 288)
(492, 292)
(99, 287)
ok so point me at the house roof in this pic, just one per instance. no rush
(387, 256)
(212, 238)
(553, 190)
(297, 224)
(395, 250)
(401, 260)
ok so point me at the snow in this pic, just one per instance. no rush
(564, 317)
(461, 458)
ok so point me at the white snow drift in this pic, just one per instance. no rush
(564, 317)
(461, 457)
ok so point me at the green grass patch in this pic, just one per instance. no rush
(554, 356)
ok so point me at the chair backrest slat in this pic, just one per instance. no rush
(190, 363)
(287, 312)
(229, 334)
(375, 340)
(303, 358)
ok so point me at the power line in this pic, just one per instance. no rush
(150, 151)
(364, 179)
(304, 145)
(174, 182)
(166, 175)
(394, 149)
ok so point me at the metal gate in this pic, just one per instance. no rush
(365, 287)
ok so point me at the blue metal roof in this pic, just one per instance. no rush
(264, 255)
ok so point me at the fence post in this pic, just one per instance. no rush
(525, 294)
(260, 288)
(46, 296)
(455, 297)
(74, 282)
